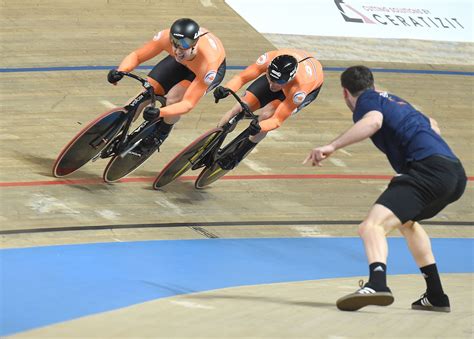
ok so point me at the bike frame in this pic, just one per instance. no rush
(121, 145)
(215, 150)
(132, 107)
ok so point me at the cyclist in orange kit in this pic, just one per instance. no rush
(195, 65)
(288, 80)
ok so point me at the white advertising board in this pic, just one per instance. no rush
(449, 20)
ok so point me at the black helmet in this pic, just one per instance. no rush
(282, 69)
(184, 33)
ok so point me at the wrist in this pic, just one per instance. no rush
(333, 146)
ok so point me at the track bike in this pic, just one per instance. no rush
(109, 136)
(206, 151)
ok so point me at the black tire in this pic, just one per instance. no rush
(210, 175)
(119, 167)
(89, 142)
(184, 160)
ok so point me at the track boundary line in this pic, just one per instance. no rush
(198, 225)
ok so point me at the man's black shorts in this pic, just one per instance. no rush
(424, 188)
(261, 89)
(168, 72)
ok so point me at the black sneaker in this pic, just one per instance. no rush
(366, 295)
(435, 304)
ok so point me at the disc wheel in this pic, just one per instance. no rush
(89, 142)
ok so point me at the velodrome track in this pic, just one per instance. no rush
(263, 253)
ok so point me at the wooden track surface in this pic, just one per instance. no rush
(42, 111)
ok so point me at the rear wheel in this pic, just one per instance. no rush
(121, 165)
(89, 142)
(187, 158)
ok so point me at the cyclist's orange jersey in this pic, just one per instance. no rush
(308, 77)
(210, 55)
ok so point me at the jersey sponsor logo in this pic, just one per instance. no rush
(157, 36)
(262, 59)
(299, 97)
(209, 77)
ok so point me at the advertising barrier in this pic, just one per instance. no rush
(419, 19)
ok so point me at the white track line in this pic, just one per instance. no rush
(255, 166)
(190, 304)
(107, 104)
(337, 162)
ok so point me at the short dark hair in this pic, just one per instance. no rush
(357, 79)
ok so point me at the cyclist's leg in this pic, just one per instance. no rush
(248, 144)
(171, 79)
(230, 114)
(267, 99)
(174, 95)
(257, 95)
(264, 114)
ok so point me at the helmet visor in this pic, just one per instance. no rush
(277, 77)
(183, 43)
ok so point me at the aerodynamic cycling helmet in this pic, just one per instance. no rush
(282, 69)
(184, 33)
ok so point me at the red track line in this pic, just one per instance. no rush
(190, 178)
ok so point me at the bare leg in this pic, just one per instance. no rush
(420, 247)
(265, 113)
(373, 231)
(174, 95)
(236, 109)
(418, 242)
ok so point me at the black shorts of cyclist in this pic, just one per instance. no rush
(168, 72)
(424, 188)
(261, 89)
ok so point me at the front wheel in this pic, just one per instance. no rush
(89, 142)
(210, 175)
(123, 164)
(187, 158)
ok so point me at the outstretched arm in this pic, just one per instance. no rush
(250, 73)
(363, 129)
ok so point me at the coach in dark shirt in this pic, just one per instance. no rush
(430, 177)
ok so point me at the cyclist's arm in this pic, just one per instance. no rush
(248, 74)
(281, 114)
(193, 94)
(148, 51)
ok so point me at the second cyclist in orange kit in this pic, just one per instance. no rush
(288, 80)
(195, 65)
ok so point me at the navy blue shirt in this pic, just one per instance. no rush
(406, 134)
